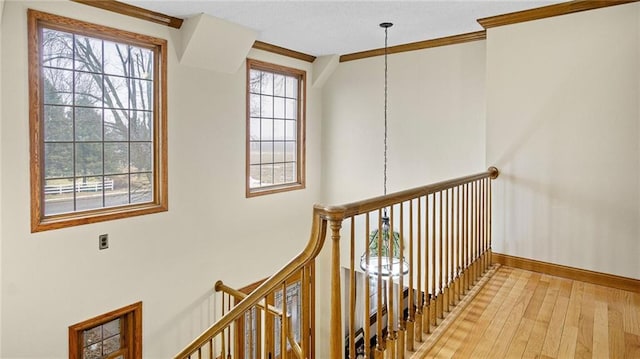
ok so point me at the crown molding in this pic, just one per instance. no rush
(134, 11)
(283, 51)
(548, 11)
(443, 41)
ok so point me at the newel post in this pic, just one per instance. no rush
(335, 340)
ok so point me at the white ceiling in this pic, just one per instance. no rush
(341, 27)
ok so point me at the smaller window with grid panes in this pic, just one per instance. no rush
(113, 335)
(275, 128)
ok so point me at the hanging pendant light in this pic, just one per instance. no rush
(386, 260)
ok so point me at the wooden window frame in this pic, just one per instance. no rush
(130, 316)
(41, 222)
(300, 182)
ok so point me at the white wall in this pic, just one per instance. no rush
(563, 128)
(436, 128)
(435, 121)
(1, 71)
(170, 261)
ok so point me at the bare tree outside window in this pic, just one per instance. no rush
(98, 114)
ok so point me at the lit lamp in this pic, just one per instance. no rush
(386, 260)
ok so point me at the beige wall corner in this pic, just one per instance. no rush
(323, 67)
(215, 44)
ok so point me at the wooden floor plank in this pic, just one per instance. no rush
(521, 314)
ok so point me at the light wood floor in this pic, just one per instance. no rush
(522, 314)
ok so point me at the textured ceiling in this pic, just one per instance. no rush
(341, 27)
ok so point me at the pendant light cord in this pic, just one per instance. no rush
(385, 106)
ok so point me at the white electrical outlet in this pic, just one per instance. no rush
(103, 241)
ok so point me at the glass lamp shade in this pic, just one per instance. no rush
(389, 264)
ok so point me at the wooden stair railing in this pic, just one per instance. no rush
(445, 236)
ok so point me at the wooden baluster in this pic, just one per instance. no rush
(490, 223)
(439, 302)
(410, 301)
(445, 268)
(283, 323)
(484, 225)
(211, 348)
(367, 294)
(401, 319)
(433, 305)
(426, 315)
(477, 239)
(336, 337)
(418, 323)
(452, 291)
(379, 352)
(222, 341)
(467, 244)
(229, 330)
(390, 348)
(459, 238)
(352, 291)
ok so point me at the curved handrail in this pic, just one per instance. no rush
(321, 214)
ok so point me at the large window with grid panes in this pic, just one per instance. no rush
(275, 128)
(97, 122)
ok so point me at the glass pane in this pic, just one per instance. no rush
(88, 90)
(278, 173)
(266, 106)
(116, 157)
(142, 63)
(266, 130)
(291, 109)
(292, 87)
(88, 193)
(88, 124)
(254, 152)
(254, 179)
(58, 160)
(290, 172)
(141, 94)
(278, 130)
(116, 92)
(116, 58)
(278, 107)
(57, 49)
(92, 336)
(290, 152)
(254, 129)
(58, 123)
(116, 125)
(93, 351)
(266, 152)
(110, 345)
(278, 152)
(290, 130)
(58, 196)
(116, 190)
(254, 105)
(58, 86)
(278, 85)
(88, 54)
(141, 157)
(141, 126)
(266, 175)
(267, 83)
(254, 81)
(141, 188)
(88, 159)
(111, 328)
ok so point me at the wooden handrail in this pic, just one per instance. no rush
(368, 205)
(221, 287)
(323, 216)
(310, 252)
